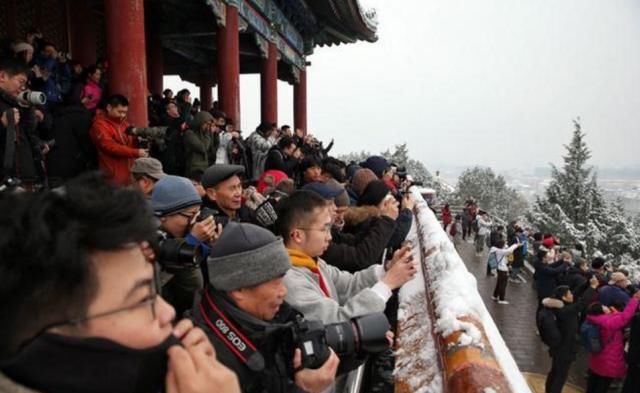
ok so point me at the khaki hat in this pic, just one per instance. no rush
(149, 167)
(619, 278)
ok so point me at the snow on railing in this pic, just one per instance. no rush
(447, 340)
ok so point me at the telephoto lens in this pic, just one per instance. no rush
(33, 97)
(176, 254)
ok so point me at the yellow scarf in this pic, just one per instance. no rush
(300, 259)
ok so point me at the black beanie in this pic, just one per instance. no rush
(373, 194)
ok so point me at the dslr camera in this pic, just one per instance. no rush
(149, 135)
(176, 254)
(218, 218)
(359, 336)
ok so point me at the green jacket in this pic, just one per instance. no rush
(200, 150)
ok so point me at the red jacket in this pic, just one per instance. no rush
(116, 149)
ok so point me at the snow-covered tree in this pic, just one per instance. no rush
(574, 209)
(491, 192)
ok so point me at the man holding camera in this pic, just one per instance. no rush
(79, 301)
(19, 146)
(176, 203)
(324, 292)
(243, 312)
(116, 149)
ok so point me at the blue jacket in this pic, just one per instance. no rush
(546, 275)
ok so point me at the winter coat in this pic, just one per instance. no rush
(362, 250)
(198, 146)
(350, 294)
(222, 154)
(610, 361)
(259, 149)
(518, 256)
(271, 339)
(484, 226)
(546, 275)
(611, 295)
(575, 278)
(116, 149)
(446, 216)
(73, 152)
(502, 254)
(567, 315)
(633, 357)
(276, 159)
(26, 149)
(9, 386)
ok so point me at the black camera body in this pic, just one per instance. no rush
(175, 254)
(359, 336)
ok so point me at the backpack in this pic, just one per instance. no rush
(492, 261)
(590, 337)
(548, 327)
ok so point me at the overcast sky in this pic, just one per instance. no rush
(489, 82)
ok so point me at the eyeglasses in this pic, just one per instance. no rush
(155, 287)
(188, 216)
(325, 229)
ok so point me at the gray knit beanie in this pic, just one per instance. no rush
(172, 194)
(246, 255)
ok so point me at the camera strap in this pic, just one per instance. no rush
(10, 142)
(229, 334)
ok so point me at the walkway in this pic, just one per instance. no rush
(516, 321)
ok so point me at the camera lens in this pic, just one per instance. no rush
(178, 254)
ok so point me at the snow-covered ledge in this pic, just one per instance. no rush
(447, 340)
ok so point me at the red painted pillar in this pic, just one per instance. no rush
(229, 65)
(155, 65)
(124, 25)
(300, 102)
(81, 24)
(269, 86)
(206, 95)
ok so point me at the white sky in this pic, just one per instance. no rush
(491, 82)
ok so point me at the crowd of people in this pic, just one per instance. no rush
(581, 302)
(186, 256)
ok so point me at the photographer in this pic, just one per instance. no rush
(284, 156)
(200, 142)
(21, 150)
(176, 203)
(52, 75)
(324, 292)
(79, 301)
(243, 312)
(116, 149)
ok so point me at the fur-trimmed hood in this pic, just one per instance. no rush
(356, 215)
(550, 302)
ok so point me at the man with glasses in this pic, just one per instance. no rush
(321, 291)
(176, 203)
(80, 304)
(17, 158)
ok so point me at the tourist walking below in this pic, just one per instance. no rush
(500, 253)
(446, 215)
(609, 363)
(484, 230)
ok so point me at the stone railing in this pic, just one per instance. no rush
(447, 340)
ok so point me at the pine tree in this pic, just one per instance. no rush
(574, 209)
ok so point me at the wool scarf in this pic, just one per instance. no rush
(300, 259)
